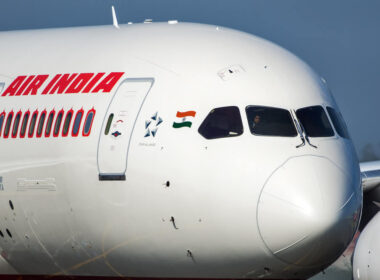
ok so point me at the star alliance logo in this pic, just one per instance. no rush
(152, 124)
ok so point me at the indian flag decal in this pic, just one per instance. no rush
(184, 122)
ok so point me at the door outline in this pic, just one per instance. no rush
(121, 176)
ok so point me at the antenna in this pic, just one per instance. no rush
(114, 18)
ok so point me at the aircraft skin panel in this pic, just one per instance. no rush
(188, 206)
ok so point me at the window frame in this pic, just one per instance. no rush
(85, 121)
(271, 107)
(80, 123)
(3, 114)
(11, 113)
(31, 133)
(14, 135)
(48, 133)
(68, 128)
(27, 113)
(39, 135)
(56, 134)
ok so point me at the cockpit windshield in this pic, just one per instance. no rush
(315, 122)
(270, 121)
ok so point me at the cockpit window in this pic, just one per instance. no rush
(222, 122)
(338, 122)
(270, 121)
(315, 121)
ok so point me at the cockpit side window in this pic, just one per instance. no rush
(315, 121)
(338, 122)
(270, 121)
(222, 122)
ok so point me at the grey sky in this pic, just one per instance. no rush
(339, 39)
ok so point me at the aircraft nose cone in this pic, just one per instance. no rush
(308, 211)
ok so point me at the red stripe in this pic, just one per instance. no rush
(185, 114)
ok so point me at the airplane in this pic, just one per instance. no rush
(169, 150)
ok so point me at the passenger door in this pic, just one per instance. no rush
(118, 127)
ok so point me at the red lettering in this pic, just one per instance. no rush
(51, 84)
(63, 83)
(35, 85)
(24, 85)
(108, 82)
(11, 90)
(79, 83)
(93, 82)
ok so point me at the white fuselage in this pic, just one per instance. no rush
(172, 204)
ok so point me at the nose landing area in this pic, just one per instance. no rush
(306, 211)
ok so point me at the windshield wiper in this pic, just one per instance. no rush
(301, 131)
(307, 137)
